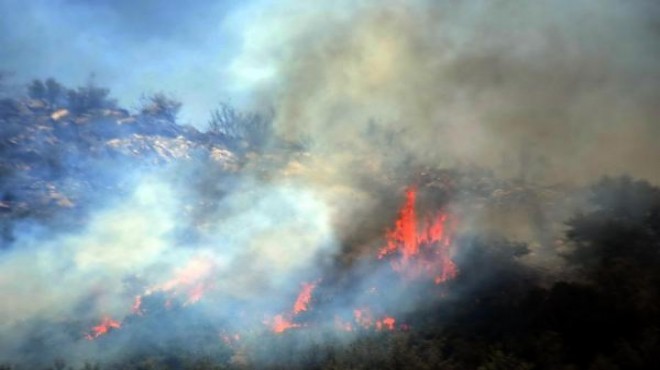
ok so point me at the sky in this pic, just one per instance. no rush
(179, 47)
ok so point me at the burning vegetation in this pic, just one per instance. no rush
(405, 186)
(427, 282)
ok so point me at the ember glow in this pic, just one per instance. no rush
(419, 248)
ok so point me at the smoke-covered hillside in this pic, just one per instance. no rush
(380, 184)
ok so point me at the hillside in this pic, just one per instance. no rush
(163, 241)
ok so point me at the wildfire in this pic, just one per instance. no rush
(304, 298)
(404, 235)
(419, 248)
(103, 328)
(192, 281)
(386, 323)
(365, 319)
(280, 324)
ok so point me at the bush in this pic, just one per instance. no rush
(54, 91)
(160, 106)
(89, 97)
(49, 91)
(254, 128)
(37, 89)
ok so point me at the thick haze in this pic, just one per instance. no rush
(554, 90)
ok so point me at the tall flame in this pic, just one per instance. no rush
(419, 248)
(304, 298)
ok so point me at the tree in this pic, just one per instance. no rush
(617, 250)
(4, 77)
(54, 91)
(254, 128)
(50, 91)
(85, 98)
(623, 224)
(37, 89)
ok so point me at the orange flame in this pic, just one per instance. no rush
(304, 298)
(423, 247)
(386, 323)
(364, 318)
(280, 324)
(103, 328)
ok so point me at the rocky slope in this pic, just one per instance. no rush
(54, 160)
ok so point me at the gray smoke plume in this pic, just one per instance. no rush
(548, 91)
(378, 91)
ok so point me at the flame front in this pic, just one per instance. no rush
(416, 247)
(191, 282)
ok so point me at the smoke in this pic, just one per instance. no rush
(544, 92)
(259, 243)
(547, 91)
(551, 91)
